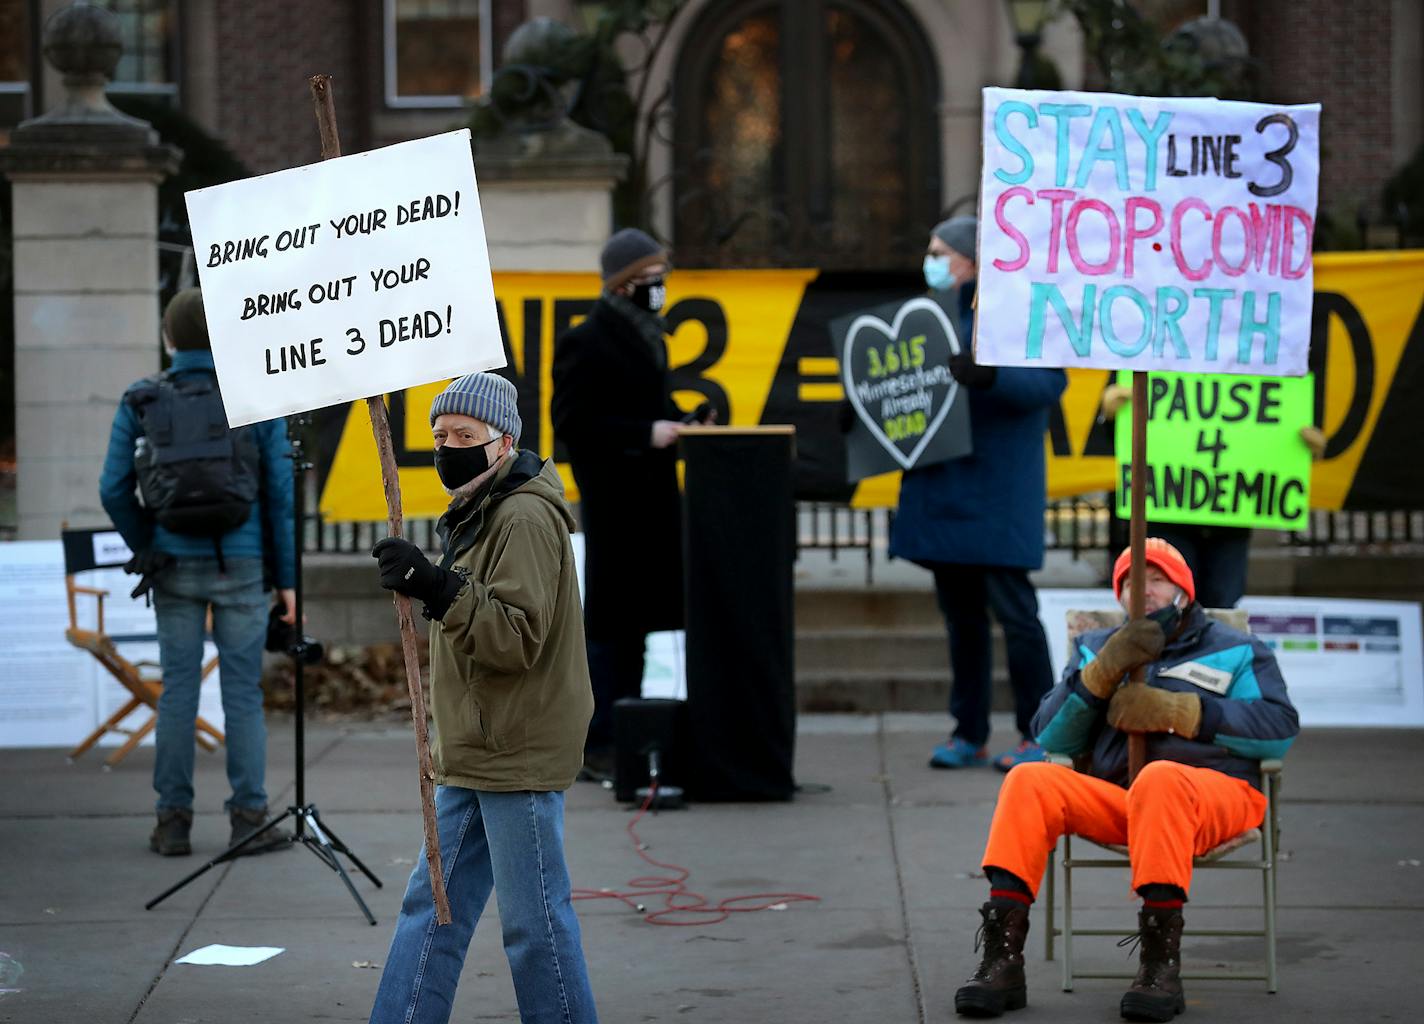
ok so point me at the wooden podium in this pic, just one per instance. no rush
(739, 543)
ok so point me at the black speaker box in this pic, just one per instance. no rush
(639, 727)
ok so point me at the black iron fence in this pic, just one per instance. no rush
(1079, 526)
(1364, 533)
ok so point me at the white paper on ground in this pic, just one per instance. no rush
(218, 955)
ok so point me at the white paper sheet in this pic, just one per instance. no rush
(218, 955)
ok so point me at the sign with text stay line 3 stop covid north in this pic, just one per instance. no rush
(1139, 233)
(347, 278)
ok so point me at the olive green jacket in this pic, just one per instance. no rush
(508, 672)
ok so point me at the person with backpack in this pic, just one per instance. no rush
(213, 526)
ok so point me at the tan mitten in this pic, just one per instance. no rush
(1147, 709)
(1135, 644)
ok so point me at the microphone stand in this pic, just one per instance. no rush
(308, 829)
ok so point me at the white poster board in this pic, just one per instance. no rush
(346, 278)
(1345, 662)
(1125, 232)
(53, 694)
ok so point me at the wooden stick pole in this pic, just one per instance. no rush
(390, 481)
(1137, 571)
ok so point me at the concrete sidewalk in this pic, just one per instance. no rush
(891, 848)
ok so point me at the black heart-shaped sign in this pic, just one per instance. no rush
(896, 375)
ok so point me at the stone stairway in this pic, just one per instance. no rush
(877, 650)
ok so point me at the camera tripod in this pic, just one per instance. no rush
(308, 829)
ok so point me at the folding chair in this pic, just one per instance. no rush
(89, 549)
(1268, 835)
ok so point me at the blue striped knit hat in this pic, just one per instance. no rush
(486, 397)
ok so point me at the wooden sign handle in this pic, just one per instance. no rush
(1137, 571)
(390, 481)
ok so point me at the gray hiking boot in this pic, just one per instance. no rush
(169, 837)
(247, 820)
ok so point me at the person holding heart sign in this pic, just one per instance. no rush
(976, 522)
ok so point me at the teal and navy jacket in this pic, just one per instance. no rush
(267, 533)
(1247, 715)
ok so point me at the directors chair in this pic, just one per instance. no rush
(85, 550)
(1267, 835)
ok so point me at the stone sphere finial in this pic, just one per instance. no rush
(83, 42)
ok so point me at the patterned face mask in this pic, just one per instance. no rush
(650, 296)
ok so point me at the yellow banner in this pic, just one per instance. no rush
(756, 344)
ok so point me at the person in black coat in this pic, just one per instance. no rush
(613, 409)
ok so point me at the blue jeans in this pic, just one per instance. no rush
(181, 597)
(513, 844)
(966, 594)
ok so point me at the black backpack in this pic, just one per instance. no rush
(196, 475)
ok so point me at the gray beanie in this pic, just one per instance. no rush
(626, 253)
(961, 234)
(486, 397)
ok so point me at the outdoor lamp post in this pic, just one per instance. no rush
(1028, 18)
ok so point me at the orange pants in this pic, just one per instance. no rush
(1172, 813)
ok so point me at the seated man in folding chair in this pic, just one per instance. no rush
(1213, 706)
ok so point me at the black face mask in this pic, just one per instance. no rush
(1169, 617)
(458, 466)
(650, 296)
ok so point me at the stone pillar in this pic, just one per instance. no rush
(547, 197)
(85, 194)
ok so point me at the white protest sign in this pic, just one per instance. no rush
(55, 694)
(1123, 232)
(347, 278)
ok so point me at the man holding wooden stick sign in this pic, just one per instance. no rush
(369, 274)
(1141, 234)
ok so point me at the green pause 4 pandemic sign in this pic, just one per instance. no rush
(1222, 450)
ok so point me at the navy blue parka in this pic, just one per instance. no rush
(987, 507)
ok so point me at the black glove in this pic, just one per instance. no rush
(405, 570)
(699, 416)
(147, 565)
(971, 374)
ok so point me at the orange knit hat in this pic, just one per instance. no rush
(1166, 558)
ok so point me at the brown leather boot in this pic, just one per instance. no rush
(998, 984)
(1156, 992)
(247, 820)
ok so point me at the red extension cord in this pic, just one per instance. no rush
(678, 899)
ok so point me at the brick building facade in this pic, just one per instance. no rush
(239, 70)
(1364, 62)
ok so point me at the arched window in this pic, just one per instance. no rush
(805, 136)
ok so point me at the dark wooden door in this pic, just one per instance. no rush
(805, 136)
